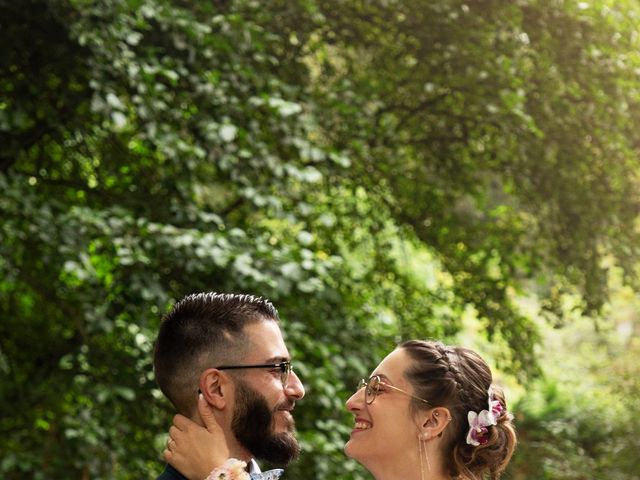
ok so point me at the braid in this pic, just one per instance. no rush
(452, 368)
(460, 380)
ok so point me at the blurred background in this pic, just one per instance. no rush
(380, 169)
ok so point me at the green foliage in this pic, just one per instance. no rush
(492, 130)
(581, 421)
(375, 168)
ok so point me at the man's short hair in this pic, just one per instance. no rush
(201, 331)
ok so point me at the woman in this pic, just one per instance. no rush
(428, 412)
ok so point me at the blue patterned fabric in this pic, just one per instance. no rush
(268, 475)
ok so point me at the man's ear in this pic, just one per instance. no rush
(215, 387)
(435, 422)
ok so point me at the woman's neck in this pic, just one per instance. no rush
(408, 467)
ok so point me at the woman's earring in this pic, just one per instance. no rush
(423, 448)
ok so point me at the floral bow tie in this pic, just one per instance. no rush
(268, 475)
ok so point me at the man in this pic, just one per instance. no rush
(229, 349)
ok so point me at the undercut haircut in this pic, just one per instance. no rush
(203, 330)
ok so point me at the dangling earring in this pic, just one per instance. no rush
(422, 448)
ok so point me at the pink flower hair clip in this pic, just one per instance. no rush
(479, 423)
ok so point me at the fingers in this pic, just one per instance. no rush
(167, 454)
(181, 425)
(178, 436)
(207, 416)
(193, 449)
(181, 422)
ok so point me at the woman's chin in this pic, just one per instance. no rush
(349, 449)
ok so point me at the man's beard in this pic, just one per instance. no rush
(253, 425)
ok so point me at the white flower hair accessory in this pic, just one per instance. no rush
(479, 422)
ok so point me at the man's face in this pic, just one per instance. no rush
(254, 423)
(262, 420)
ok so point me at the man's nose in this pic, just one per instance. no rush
(294, 387)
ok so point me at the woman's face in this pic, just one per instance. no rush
(384, 431)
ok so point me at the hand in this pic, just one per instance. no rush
(194, 450)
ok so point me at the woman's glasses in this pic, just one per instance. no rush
(372, 389)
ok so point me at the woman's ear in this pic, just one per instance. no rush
(215, 387)
(435, 422)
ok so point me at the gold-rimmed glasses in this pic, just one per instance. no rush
(372, 389)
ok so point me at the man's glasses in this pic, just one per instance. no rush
(372, 389)
(283, 367)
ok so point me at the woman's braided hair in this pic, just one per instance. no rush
(459, 379)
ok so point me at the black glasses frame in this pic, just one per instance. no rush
(285, 369)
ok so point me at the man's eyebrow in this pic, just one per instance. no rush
(277, 360)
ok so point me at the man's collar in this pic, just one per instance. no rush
(253, 466)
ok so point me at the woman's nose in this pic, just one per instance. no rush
(355, 401)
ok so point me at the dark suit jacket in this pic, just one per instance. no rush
(171, 473)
